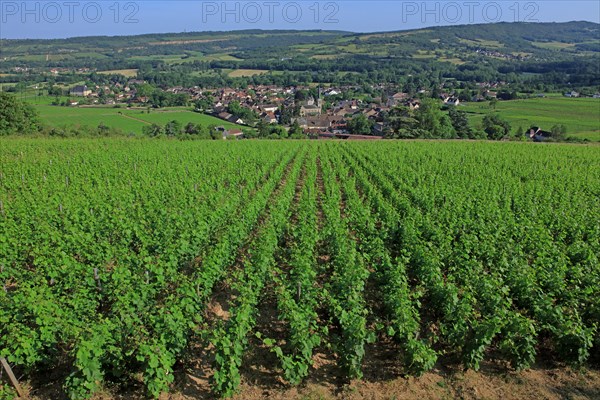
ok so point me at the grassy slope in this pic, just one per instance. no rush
(581, 116)
(127, 120)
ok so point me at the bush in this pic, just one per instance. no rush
(16, 117)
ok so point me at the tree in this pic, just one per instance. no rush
(504, 94)
(301, 95)
(493, 103)
(384, 97)
(460, 123)
(216, 134)
(16, 117)
(360, 125)
(262, 129)
(559, 131)
(285, 115)
(192, 129)
(279, 131)
(296, 130)
(55, 91)
(103, 129)
(401, 122)
(152, 130)
(495, 127)
(204, 103)
(144, 90)
(446, 130)
(246, 114)
(173, 128)
(433, 121)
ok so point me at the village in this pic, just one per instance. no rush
(319, 112)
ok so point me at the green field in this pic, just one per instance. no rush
(554, 45)
(135, 267)
(128, 120)
(130, 73)
(188, 57)
(581, 116)
(237, 73)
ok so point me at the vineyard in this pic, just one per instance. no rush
(120, 258)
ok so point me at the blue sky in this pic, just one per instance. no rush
(67, 18)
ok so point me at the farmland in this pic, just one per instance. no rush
(128, 120)
(581, 116)
(247, 72)
(130, 73)
(126, 262)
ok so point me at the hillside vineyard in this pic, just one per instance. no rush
(115, 253)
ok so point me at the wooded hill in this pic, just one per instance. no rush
(565, 53)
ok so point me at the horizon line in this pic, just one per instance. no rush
(303, 30)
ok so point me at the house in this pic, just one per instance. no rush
(269, 108)
(358, 137)
(400, 96)
(345, 112)
(80, 91)
(320, 134)
(315, 123)
(451, 100)
(372, 113)
(572, 94)
(218, 109)
(349, 104)
(269, 117)
(413, 104)
(379, 128)
(307, 110)
(538, 135)
(230, 117)
(225, 115)
(233, 134)
(396, 99)
(230, 133)
(337, 124)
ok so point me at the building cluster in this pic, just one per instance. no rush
(326, 113)
(323, 114)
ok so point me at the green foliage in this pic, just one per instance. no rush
(247, 115)
(153, 130)
(495, 127)
(559, 131)
(172, 128)
(360, 125)
(419, 243)
(460, 123)
(16, 117)
(7, 392)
